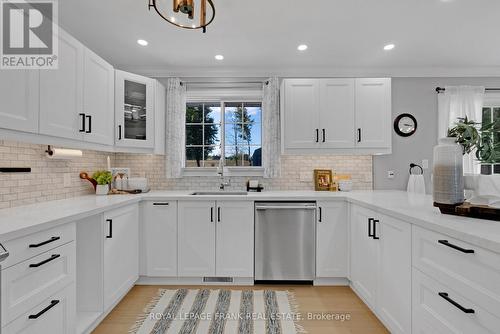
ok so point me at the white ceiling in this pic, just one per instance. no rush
(258, 38)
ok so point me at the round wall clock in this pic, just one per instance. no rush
(405, 125)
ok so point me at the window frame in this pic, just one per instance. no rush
(491, 100)
(230, 170)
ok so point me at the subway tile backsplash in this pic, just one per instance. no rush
(46, 181)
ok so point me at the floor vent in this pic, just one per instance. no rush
(217, 279)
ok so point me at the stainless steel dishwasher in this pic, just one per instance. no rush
(285, 241)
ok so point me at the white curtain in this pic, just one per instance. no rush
(271, 150)
(175, 128)
(458, 102)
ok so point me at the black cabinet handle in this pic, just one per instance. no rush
(359, 135)
(375, 221)
(110, 233)
(320, 214)
(370, 233)
(458, 248)
(82, 129)
(119, 132)
(52, 258)
(324, 135)
(161, 204)
(317, 135)
(36, 316)
(44, 242)
(90, 124)
(218, 214)
(211, 214)
(445, 296)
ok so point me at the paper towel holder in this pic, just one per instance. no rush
(56, 153)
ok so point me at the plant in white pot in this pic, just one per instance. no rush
(103, 179)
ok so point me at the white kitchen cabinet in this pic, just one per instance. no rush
(61, 92)
(134, 110)
(196, 248)
(381, 266)
(234, 239)
(364, 255)
(19, 93)
(98, 92)
(121, 249)
(331, 240)
(373, 113)
(336, 116)
(159, 227)
(301, 121)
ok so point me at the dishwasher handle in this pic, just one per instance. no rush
(284, 207)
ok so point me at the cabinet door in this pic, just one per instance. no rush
(19, 92)
(61, 92)
(134, 110)
(98, 99)
(336, 117)
(373, 113)
(394, 283)
(121, 248)
(364, 256)
(301, 113)
(196, 249)
(331, 240)
(234, 239)
(160, 238)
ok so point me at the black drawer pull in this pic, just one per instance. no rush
(320, 214)
(119, 132)
(370, 233)
(317, 135)
(375, 221)
(90, 124)
(44, 242)
(218, 214)
(458, 248)
(52, 258)
(82, 129)
(359, 135)
(110, 233)
(36, 316)
(445, 296)
(211, 214)
(159, 204)
(324, 135)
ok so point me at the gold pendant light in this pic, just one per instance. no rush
(188, 14)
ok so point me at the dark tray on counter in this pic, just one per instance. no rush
(468, 210)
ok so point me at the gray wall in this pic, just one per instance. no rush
(416, 96)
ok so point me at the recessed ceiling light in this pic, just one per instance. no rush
(142, 42)
(302, 47)
(219, 57)
(389, 47)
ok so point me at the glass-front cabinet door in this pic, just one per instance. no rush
(134, 110)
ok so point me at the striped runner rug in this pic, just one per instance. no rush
(207, 311)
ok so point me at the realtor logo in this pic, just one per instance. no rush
(29, 34)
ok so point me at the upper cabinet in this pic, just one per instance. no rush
(339, 115)
(19, 95)
(134, 110)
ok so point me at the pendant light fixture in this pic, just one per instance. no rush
(187, 14)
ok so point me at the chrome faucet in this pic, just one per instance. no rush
(223, 182)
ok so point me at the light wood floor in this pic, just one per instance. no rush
(311, 299)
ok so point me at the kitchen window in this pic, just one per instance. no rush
(230, 131)
(491, 113)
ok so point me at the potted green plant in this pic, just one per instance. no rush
(475, 136)
(103, 179)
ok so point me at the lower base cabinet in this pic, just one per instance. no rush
(54, 315)
(381, 266)
(121, 252)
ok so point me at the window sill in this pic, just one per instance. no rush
(231, 171)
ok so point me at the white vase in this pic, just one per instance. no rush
(448, 175)
(102, 189)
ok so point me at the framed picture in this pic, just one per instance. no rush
(322, 179)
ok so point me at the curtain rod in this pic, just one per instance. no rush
(441, 89)
(223, 82)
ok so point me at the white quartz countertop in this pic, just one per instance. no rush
(415, 209)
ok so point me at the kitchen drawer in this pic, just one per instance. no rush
(472, 270)
(434, 314)
(23, 248)
(28, 283)
(58, 319)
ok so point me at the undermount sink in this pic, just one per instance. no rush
(216, 193)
